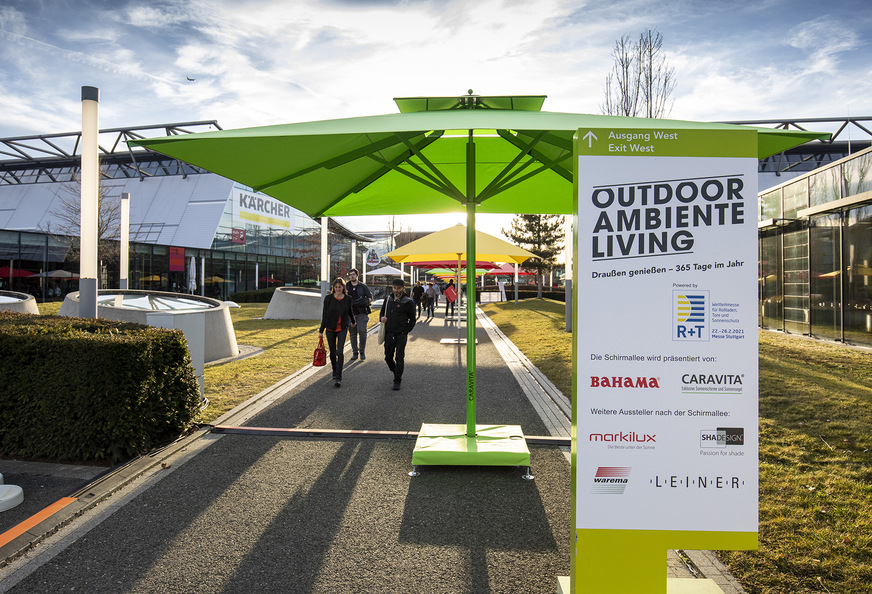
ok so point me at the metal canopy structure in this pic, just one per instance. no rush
(849, 135)
(47, 158)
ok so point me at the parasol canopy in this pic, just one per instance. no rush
(418, 161)
(450, 244)
(386, 271)
(439, 154)
(509, 269)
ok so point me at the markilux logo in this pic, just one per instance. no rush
(623, 382)
(622, 437)
(722, 437)
(611, 480)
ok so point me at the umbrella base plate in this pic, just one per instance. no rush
(455, 341)
(492, 445)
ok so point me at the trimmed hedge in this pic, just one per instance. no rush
(259, 296)
(84, 389)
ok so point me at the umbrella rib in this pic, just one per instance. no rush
(551, 163)
(546, 165)
(389, 166)
(343, 159)
(435, 170)
(509, 170)
(422, 180)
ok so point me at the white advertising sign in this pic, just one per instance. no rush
(260, 209)
(666, 403)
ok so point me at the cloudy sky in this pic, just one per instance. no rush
(274, 61)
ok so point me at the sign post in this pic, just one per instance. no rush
(664, 421)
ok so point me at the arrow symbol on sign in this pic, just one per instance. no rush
(590, 137)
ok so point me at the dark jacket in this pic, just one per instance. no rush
(334, 310)
(401, 314)
(361, 297)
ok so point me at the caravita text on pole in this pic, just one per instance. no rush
(654, 218)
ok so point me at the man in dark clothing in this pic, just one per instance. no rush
(361, 297)
(398, 316)
(418, 296)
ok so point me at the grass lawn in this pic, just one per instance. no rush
(287, 344)
(538, 328)
(815, 437)
(815, 453)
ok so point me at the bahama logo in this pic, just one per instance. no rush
(623, 382)
(691, 321)
(611, 480)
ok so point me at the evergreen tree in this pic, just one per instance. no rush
(541, 235)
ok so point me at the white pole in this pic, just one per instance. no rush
(90, 179)
(124, 264)
(354, 254)
(202, 276)
(256, 276)
(325, 262)
(516, 283)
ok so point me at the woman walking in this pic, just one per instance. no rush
(336, 317)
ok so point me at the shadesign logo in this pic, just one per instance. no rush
(691, 316)
(611, 480)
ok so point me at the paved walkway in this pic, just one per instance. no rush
(239, 512)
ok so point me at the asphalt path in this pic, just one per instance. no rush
(272, 514)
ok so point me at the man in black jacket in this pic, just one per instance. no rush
(361, 297)
(398, 316)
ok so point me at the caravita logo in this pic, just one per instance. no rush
(711, 379)
(722, 437)
(711, 383)
(622, 437)
(611, 480)
(623, 382)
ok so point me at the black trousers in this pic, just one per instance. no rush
(336, 346)
(395, 352)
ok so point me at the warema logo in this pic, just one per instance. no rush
(611, 480)
(722, 437)
(690, 315)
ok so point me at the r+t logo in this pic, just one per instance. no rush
(683, 331)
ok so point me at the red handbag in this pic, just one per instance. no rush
(320, 358)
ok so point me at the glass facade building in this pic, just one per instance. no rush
(815, 253)
(191, 231)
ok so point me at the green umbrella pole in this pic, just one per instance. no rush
(470, 288)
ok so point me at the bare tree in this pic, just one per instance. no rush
(641, 81)
(67, 212)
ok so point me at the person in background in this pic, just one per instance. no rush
(361, 297)
(418, 296)
(398, 316)
(449, 302)
(438, 288)
(336, 317)
(430, 297)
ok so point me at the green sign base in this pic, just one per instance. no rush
(634, 560)
(492, 445)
